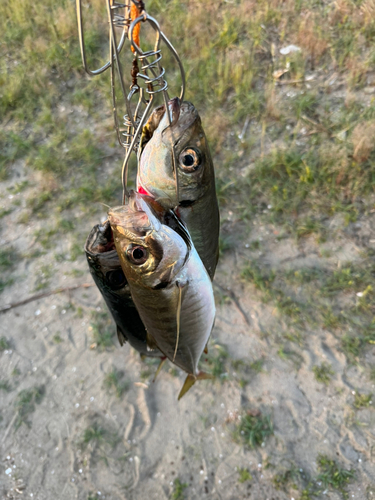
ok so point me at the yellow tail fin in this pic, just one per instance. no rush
(190, 381)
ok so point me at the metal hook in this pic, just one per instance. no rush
(152, 74)
(82, 40)
(144, 55)
(133, 144)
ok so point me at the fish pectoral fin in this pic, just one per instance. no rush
(205, 350)
(178, 317)
(151, 342)
(190, 381)
(161, 364)
(121, 336)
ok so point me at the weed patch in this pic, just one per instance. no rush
(253, 429)
(178, 490)
(102, 330)
(323, 373)
(114, 380)
(25, 404)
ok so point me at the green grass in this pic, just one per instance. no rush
(244, 475)
(57, 339)
(178, 490)
(12, 147)
(103, 330)
(313, 297)
(25, 404)
(8, 258)
(4, 344)
(5, 386)
(333, 476)
(323, 373)
(44, 277)
(362, 400)
(114, 380)
(290, 477)
(253, 430)
(215, 360)
(100, 441)
(95, 434)
(254, 274)
(351, 347)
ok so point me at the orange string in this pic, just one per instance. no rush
(134, 13)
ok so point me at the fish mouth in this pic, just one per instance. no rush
(100, 240)
(174, 106)
(182, 115)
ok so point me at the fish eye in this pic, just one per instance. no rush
(116, 279)
(137, 255)
(190, 159)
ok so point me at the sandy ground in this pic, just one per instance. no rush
(149, 438)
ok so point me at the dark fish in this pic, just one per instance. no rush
(109, 277)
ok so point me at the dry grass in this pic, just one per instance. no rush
(363, 139)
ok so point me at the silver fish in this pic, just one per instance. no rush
(182, 147)
(168, 282)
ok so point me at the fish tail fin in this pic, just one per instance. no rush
(190, 381)
(161, 364)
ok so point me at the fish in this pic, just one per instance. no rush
(182, 147)
(105, 268)
(168, 283)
